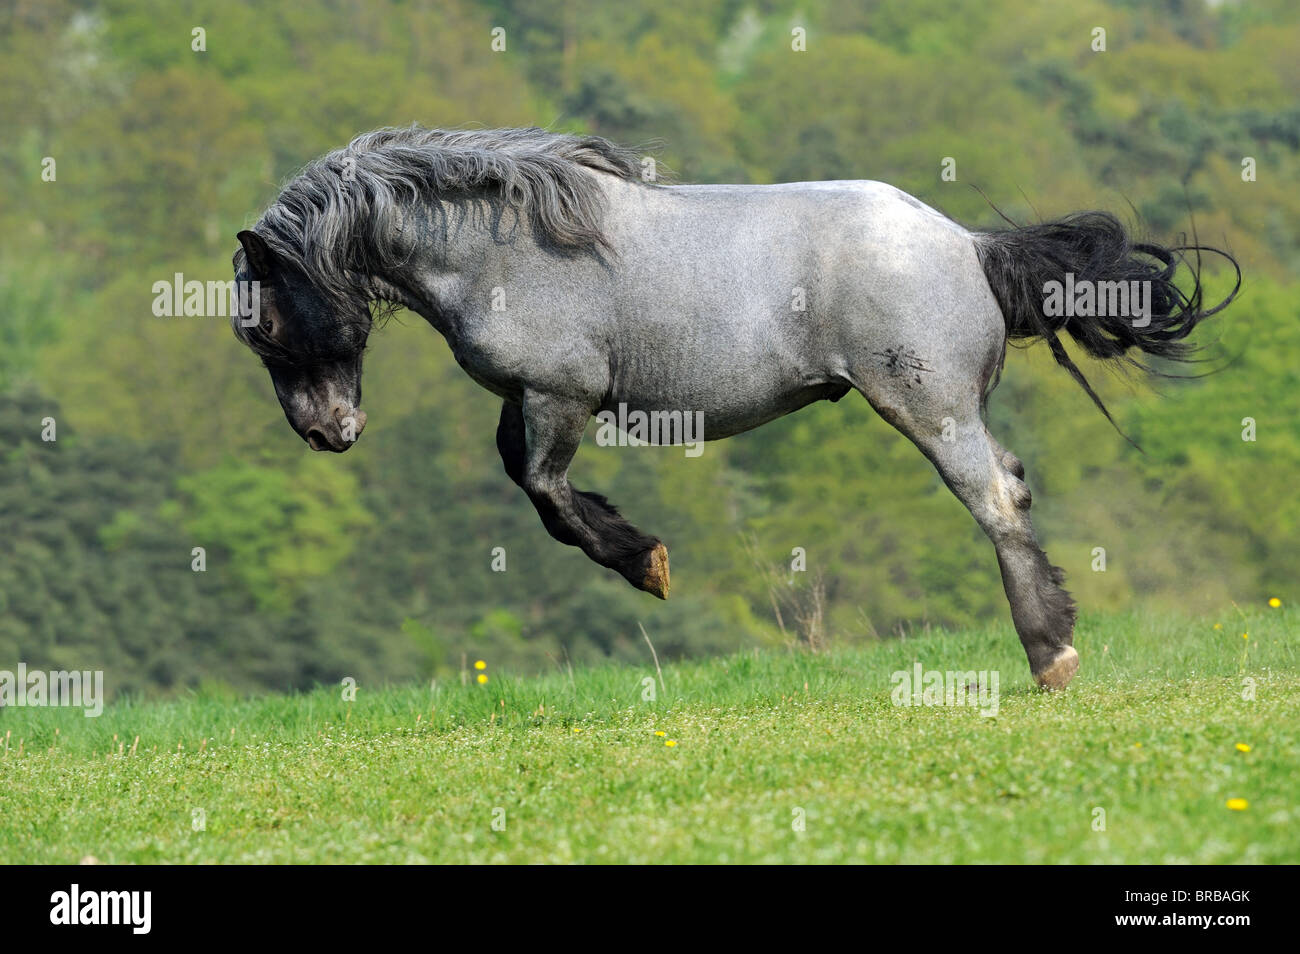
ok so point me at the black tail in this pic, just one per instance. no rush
(1093, 248)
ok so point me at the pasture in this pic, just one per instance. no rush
(776, 756)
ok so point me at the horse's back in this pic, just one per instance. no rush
(814, 258)
(756, 299)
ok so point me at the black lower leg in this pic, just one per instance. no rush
(581, 519)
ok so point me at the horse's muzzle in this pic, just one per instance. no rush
(339, 434)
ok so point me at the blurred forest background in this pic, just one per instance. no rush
(377, 564)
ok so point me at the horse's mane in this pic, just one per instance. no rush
(335, 220)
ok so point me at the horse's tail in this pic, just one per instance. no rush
(1037, 271)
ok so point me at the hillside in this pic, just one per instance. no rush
(755, 757)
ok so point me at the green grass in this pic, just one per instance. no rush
(1147, 732)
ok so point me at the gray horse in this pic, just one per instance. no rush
(568, 286)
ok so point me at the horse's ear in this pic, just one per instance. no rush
(259, 254)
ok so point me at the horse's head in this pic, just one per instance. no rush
(311, 350)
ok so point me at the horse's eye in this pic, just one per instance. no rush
(266, 324)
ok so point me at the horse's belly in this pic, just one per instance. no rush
(720, 411)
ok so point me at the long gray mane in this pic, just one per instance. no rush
(335, 220)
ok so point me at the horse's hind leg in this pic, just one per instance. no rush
(537, 442)
(988, 480)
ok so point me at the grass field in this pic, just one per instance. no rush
(766, 742)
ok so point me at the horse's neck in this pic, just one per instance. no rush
(382, 288)
(445, 251)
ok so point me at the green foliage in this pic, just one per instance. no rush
(278, 528)
(28, 298)
(97, 568)
(379, 564)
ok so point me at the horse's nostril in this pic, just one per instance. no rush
(316, 439)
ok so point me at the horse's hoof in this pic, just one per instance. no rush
(1058, 673)
(656, 574)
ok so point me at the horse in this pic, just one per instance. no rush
(570, 284)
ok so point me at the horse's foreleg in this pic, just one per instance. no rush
(537, 442)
